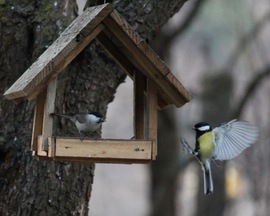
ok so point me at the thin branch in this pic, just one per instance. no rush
(192, 15)
(251, 88)
(165, 39)
(245, 41)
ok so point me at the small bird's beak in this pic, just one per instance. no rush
(193, 128)
(102, 120)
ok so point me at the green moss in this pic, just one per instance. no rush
(2, 2)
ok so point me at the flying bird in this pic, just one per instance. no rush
(221, 143)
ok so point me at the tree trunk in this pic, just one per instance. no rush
(165, 170)
(28, 186)
(27, 28)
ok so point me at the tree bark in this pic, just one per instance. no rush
(27, 28)
(28, 186)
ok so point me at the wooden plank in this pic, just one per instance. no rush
(152, 115)
(51, 146)
(52, 153)
(38, 120)
(94, 160)
(48, 109)
(40, 151)
(137, 50)
(139, 105)
(101, 160)
(113, 149)
(64, 57)
(74, 39)
(178, 86)
(153, 57)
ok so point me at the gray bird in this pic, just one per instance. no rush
(85, 123)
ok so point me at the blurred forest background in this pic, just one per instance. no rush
(220, 51)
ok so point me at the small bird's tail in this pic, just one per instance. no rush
(62, 115)
(208, 181)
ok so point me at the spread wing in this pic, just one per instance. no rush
(232, 138)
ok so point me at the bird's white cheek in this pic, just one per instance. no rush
(92, 118)
(204, 128)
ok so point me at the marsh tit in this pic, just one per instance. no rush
(85, 123)
(221, 143)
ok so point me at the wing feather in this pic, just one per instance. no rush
(81, 118)
(232, 138)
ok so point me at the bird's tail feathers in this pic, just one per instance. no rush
(208, 181)
(63, 115)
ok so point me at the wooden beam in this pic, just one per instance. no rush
(51, 146)
(41, 151)
(102, 149)
(178, 87)
(38, 120)
(98, 160)
(139, 105)
(69, 44)
(64, 57)
(48, 109)
(152, 114)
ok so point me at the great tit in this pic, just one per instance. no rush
(221, 143)
(85, 123)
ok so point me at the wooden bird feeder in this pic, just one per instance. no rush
(155, 87)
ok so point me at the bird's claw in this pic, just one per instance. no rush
(91, 135)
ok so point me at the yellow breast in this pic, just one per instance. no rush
(206, 144)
